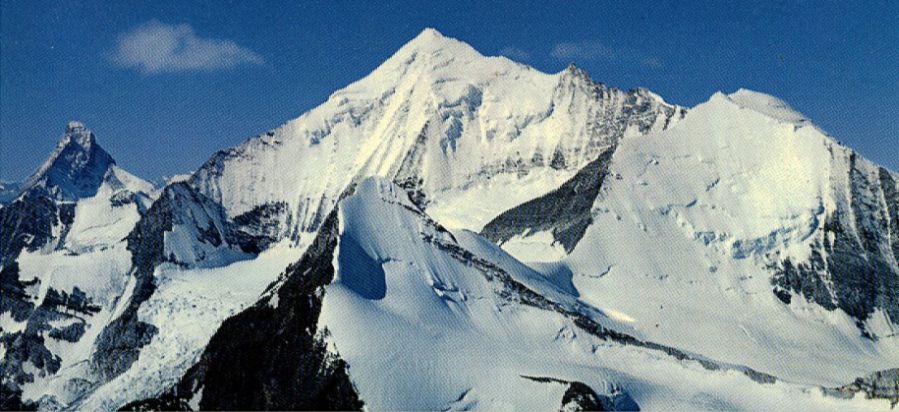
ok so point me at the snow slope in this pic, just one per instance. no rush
(64, 261)
(187, 308)
(417, 321)
(471, 135)
(683, 238)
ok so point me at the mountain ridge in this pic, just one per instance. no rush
(372, 201)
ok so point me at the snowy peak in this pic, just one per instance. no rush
(764, 104)
(431, 39)
(77, 133)
(443, 121)
(75, 169)
(432, 43)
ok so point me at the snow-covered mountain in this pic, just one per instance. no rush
(422, 318)
(63, 263)
(632, 254)
(748, 217)
(470, 135)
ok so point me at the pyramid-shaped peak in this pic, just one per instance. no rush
(430, 36)
(77, 133)
(432, 41)
(76, 167)
(75, 126)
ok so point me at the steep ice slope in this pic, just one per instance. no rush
(470, 135)
(389, 310)
(688, 240)
(63, 264)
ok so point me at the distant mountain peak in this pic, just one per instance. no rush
(767, 105)
(77, 133)
(431, 43)
(431, 38)
(76, 167)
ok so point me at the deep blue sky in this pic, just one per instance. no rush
(837, 62)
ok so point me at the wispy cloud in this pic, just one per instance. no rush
(585, 50)
(653, 62)
(592, 50)
(156, 47)
(515, 53)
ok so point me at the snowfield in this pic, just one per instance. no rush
(406, 315)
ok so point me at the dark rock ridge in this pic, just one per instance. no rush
(579, 396)
(564, 211)
(853, 261)
(284, 364)
(119, 344)
(878, 385)
(29, 223)
(178, 208)
(61, 315)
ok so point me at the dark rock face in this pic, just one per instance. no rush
(565, 211)
(9, 191)
(76, 168)
(28, 222)
(284, 363)
(407, 176)
(853, 259)
(119, 344)
(580, 397)
(71, 311)
(891, 196)
(255, 230)
(878, 385)
(17, 301)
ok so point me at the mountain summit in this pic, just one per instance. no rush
(76, 167)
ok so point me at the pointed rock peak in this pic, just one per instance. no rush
(575, 74)
(75, 126)
(75, 169)
(77, 133)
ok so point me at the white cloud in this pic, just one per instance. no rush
(596, 50)
(514, 53)
(653, 62)
(585, 50)
(155, 47)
